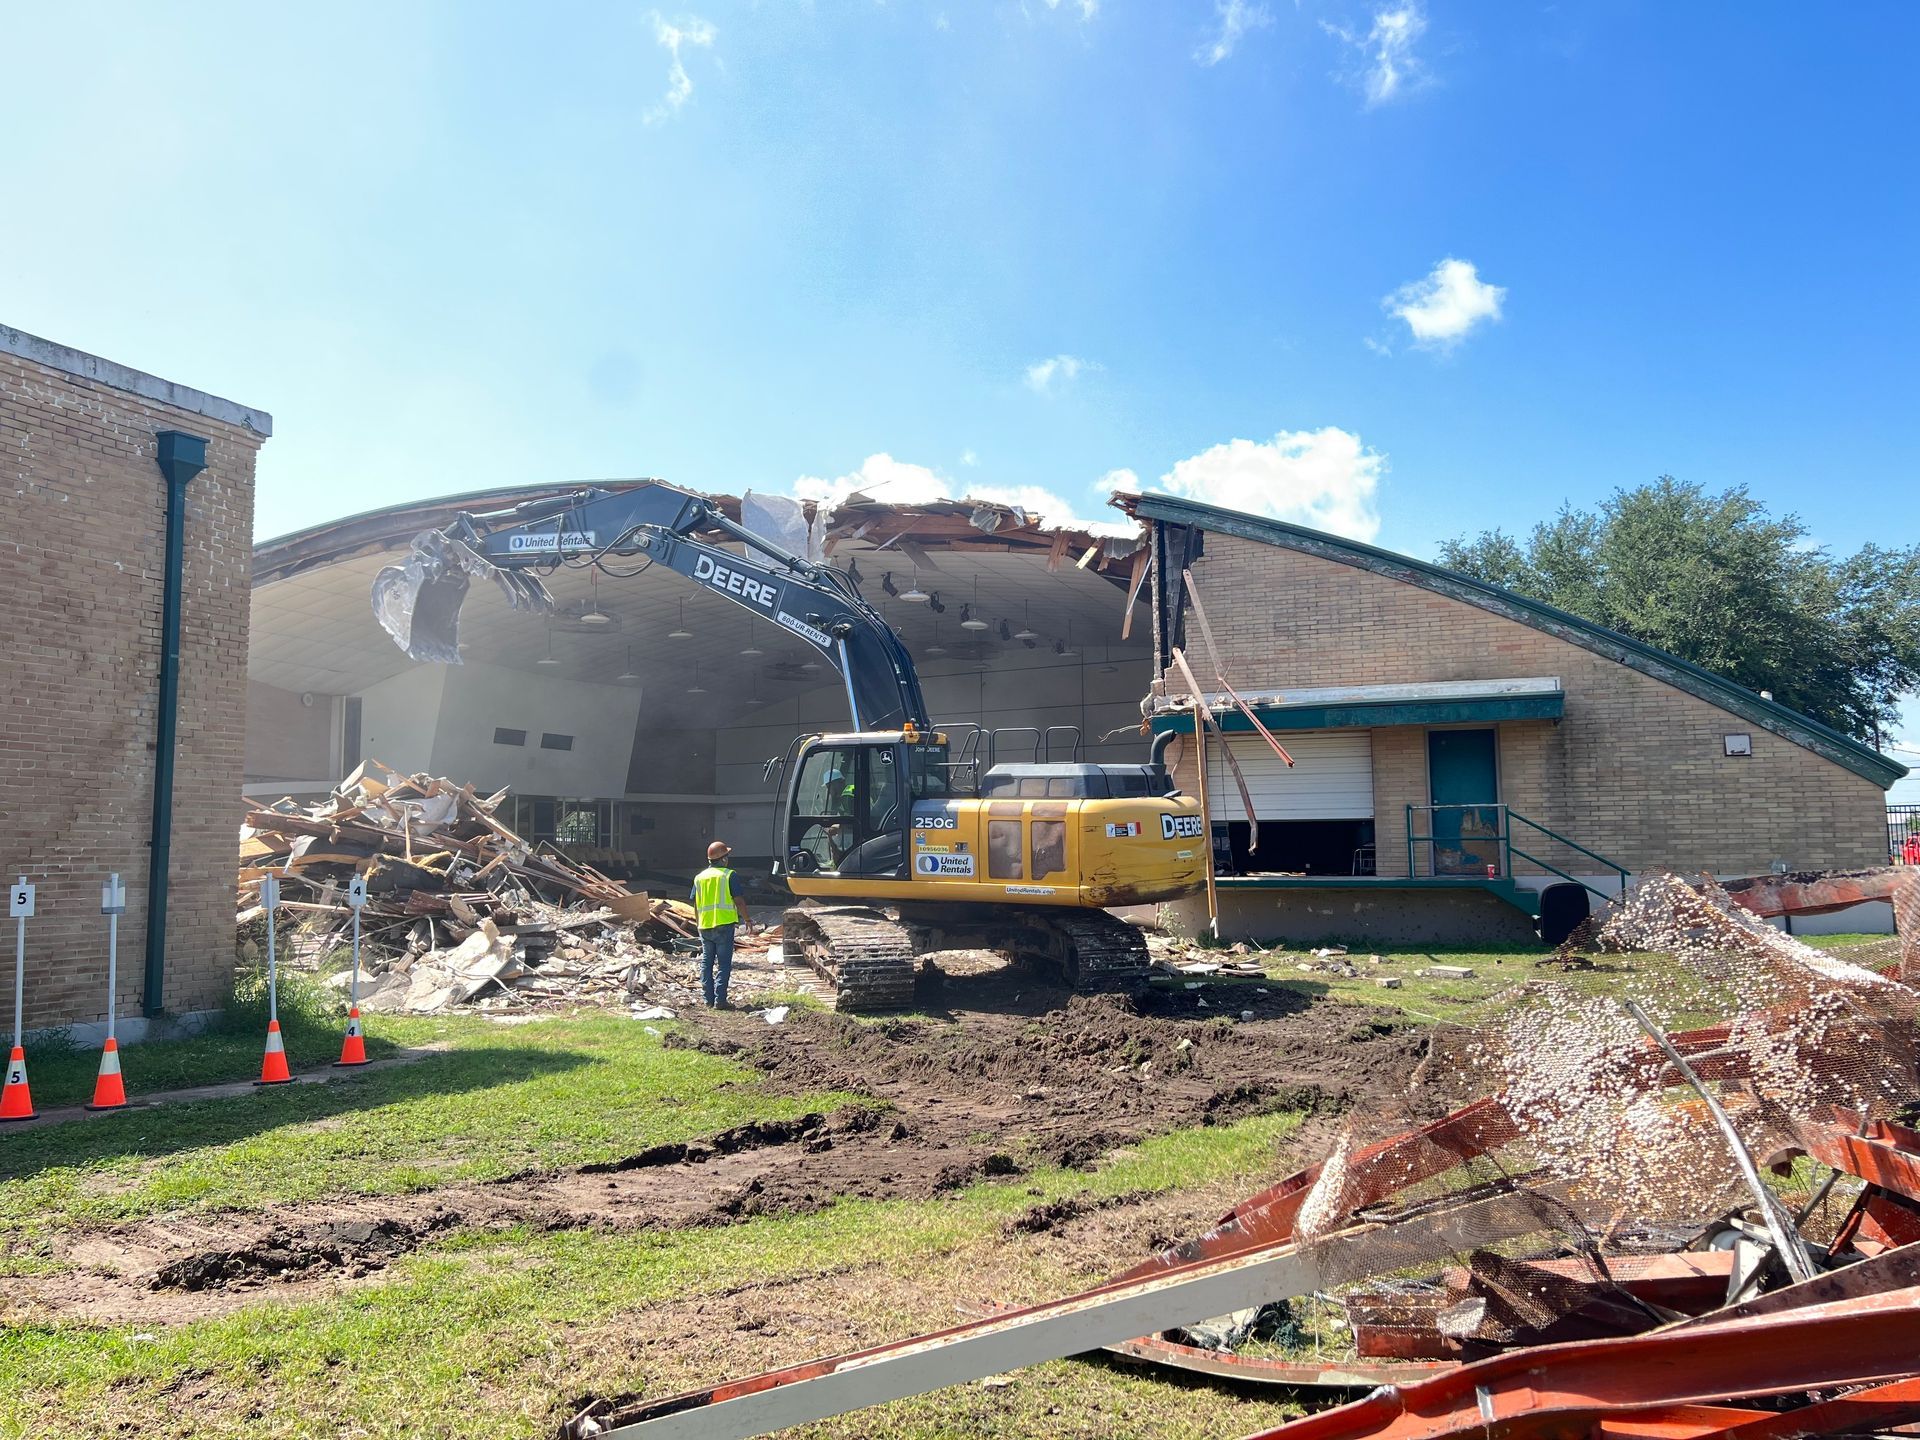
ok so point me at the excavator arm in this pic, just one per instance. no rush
(418, 600)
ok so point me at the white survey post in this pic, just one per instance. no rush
(20, 907)
(113, 904)
(356, 901)
(270, 901)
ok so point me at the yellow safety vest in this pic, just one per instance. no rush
(713, 897)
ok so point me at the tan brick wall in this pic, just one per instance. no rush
(1635, 770)
(81, 565)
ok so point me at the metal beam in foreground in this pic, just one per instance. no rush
(1103, 1316)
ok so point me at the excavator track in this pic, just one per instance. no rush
(1104, 951)
(867, 958)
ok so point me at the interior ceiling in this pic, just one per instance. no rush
(314, 630)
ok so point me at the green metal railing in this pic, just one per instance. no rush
(1485, 845)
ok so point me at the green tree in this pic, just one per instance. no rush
(1718, 580)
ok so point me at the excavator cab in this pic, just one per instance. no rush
(852, 799)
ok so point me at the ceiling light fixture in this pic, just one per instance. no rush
(1066, 647)
(1026, 630)
(629, 673)
(696, 688)
(968, 621)
(914, 594)
(547, 659)
(594, 615)
(682, 633)
(751, 648)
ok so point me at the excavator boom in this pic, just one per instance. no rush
(418, 600)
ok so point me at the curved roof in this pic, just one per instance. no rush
(1684, 675)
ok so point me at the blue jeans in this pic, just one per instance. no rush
(716, 963)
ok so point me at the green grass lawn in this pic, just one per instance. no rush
(502, 1099)
(1499, 977)
(489, 1333)
(484, 1335)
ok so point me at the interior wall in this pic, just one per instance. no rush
(478, 698)
(398, 717)
(287, 740)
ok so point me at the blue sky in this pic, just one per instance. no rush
(1016, 246)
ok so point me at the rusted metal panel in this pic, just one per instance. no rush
(1563, 1389)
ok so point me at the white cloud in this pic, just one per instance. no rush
(967, 457)
(1087, 8)
(900, 482)
(1236, 18)
(1442, 309)
(1064, 368)
(690, 31)
(1323, 478)
(1392, 67)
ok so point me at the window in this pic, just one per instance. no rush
(1003, 850)
(504, 736)
(825, 786)
(883, 791)
(551, 741)
(926, 771)
(1049, 848)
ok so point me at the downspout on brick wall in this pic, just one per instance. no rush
(181, 457)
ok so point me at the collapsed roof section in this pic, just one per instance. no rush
(967, 583)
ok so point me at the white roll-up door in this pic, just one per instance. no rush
(1331, 778)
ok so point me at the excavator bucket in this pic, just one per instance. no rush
(418, 601)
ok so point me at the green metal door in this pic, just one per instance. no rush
(1463, 780)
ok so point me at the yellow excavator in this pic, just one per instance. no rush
(900, 842)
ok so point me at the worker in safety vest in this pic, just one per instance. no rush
(713, 898)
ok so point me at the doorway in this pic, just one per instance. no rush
(1463, 782)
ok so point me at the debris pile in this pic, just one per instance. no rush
(460, 909)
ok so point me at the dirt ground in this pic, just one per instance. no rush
(1002, 1073)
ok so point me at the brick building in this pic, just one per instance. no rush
(83, 562)
(1466, 758)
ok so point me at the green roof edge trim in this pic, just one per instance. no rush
(1683, 675)
(1363, 714)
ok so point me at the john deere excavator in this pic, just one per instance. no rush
(898, 845)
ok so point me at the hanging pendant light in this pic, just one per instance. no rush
(914, 594)
(682, 633)
(751, 648)
(1107, 667)
(1026, 630)
(629, 672)
(696, 688)
(968, 620)
(594, 615)
(1065, 648)
(547, 659)
(935, 647)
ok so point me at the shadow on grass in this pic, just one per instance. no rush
(312, 1025)
(157, 1131)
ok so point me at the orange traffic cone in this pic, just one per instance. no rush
(16, 1101)
(273, 1066)
(109, 1091)
(353, 1050)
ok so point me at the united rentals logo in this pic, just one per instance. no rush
(744, 583)
(551, 542)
